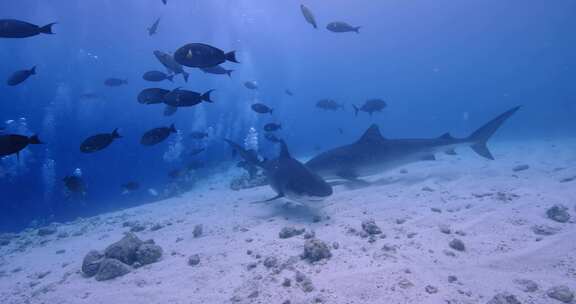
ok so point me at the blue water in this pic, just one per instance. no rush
(440, 65)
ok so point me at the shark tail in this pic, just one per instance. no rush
(484, 133)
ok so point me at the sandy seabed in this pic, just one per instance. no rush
(511, 250)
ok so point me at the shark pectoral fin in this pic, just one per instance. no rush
(450, 152)
(429, 157)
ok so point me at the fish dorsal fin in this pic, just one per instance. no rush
(446, 136)
(372, 135)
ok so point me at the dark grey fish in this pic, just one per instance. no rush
(169, 63)
(13, 143)
(371, 106)
(200, 55)
(115, 82)
(261, 108)
(289, 93)
(165, 2)
(252, 85)
(170, 110)
(157, 76)
(198, 135)
(328, 105)
(342, 27)
(217, 70)
(154, 28)
(75, 184)
(20, 76)
(272, 127)
(152, 96)
(157, 135)
(308, 15)
(98, 142)
(10, 28)
(185, 98)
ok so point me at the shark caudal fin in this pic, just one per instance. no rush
(483, 134)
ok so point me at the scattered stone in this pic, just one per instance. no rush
(400, 221)
(91, 263)
(138, 228)
(316, 219)
(270, 262)
(452, 279)
(561, 293)
(288, 232)
(558, 213)
(148, 254)
(504, 298)
(457, 244)
(527, 285)
(156, 227)
(42, 275)
(194, 260)
(544, 230)
(444, 228)
(287, 282)
(309, 235)
(431, 289)
(315, 250)
(437, 210)
(45, 231)
(336, 245)
(125, 249)
(405, 284)
(61, 251)
(520, 168)
(568, 179)
(110, 269)
(63, 235)
(198, 231)
(251, 266)
(370, 227)
(427, 189)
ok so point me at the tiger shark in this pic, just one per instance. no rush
(373, 154)
(288, 177)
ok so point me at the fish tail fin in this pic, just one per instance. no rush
(34, 140)
(229, 73)
(357, 29)
(231, 56)
(356, 110)
(206, 96)
(484, 133)
(115, 134)
(271, 111)
(185, 75)
(173, 128)
(33, 70)
(47, 29)
(170, 77)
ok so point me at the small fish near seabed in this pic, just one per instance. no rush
(198, 135)
(157, 135)
(288, 177)
(170, 64)
(308, 15)
(200, 55)
(11, 28)
(373, 154)
(329, 105)
(130, 187)
(14, 143)
(185, 98)
(252, 85)
(342, 27)
(272, 127)
(157, 76)
(261, 108)
(20, 76)
(370, 106)
(154, 28)
(115, 82)
(98, 142)
(152, 96)
(217, 70)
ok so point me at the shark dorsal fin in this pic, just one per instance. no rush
(284, 153)
(446, 136)
(372, 134)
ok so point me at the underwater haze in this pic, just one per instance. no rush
(350, 120)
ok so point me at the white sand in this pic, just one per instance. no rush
(492, 207)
